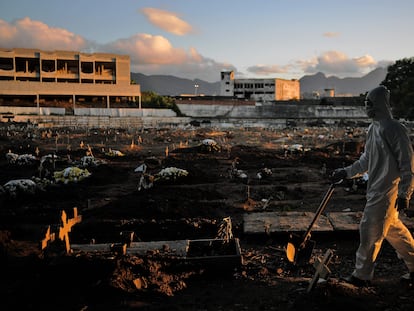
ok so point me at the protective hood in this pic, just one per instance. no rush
(377, 104)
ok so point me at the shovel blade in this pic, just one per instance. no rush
(291, 252)
(293, 246)
(298, 252)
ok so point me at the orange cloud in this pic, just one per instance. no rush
(365, 61)
(28, 33)
(167, 21)
(336, 62)
(156, 55)
(149, 49)
(330, 34)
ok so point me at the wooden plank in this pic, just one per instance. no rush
(345, 221)
(269, 222)
(177, 247)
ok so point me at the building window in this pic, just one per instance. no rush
(48, 65)
(6, 63)
(87, 67)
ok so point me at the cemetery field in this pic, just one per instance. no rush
(155, 219)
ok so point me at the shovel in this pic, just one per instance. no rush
(299, 249)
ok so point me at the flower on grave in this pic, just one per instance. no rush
(71, 174)
(170, 173)
(210, 145)
(114, 153)
(22, 159)
(17, 186)
(88, 161)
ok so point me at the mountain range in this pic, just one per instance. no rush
(174, 86)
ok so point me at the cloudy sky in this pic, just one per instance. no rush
(197, 39)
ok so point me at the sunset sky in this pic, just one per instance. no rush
(197, 39)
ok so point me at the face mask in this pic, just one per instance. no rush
(369, 108)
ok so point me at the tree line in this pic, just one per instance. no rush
(400, 81)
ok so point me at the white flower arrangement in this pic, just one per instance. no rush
(210, 145)
(209, 142)
(296, 147)
(114, 153)
(71, 174)
(88, 161)
(22, 159)
(42, 183)
(16, 186)
(170, 173)
(11, 157)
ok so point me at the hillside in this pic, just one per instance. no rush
(171, 85)
(345, 86)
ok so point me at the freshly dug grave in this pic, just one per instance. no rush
(221, 183)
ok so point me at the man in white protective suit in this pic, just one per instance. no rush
(388, 161)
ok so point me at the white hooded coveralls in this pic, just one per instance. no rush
(388, 160)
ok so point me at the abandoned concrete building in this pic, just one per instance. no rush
(70, 79)
(259, 89)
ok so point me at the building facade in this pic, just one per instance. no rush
(259, 89)
(32, 76)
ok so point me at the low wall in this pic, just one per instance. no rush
(124, 112)
(272, 111)
(111, 112)
(259, 115)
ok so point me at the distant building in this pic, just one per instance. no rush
(330, 92)
(259, 89)
(37, 77)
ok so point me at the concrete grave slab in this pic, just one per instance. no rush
(349, 221)
(344, 221)
(269, 222)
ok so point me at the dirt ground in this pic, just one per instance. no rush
(222, 183)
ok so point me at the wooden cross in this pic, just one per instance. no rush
(62, 231)
(322, 269)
